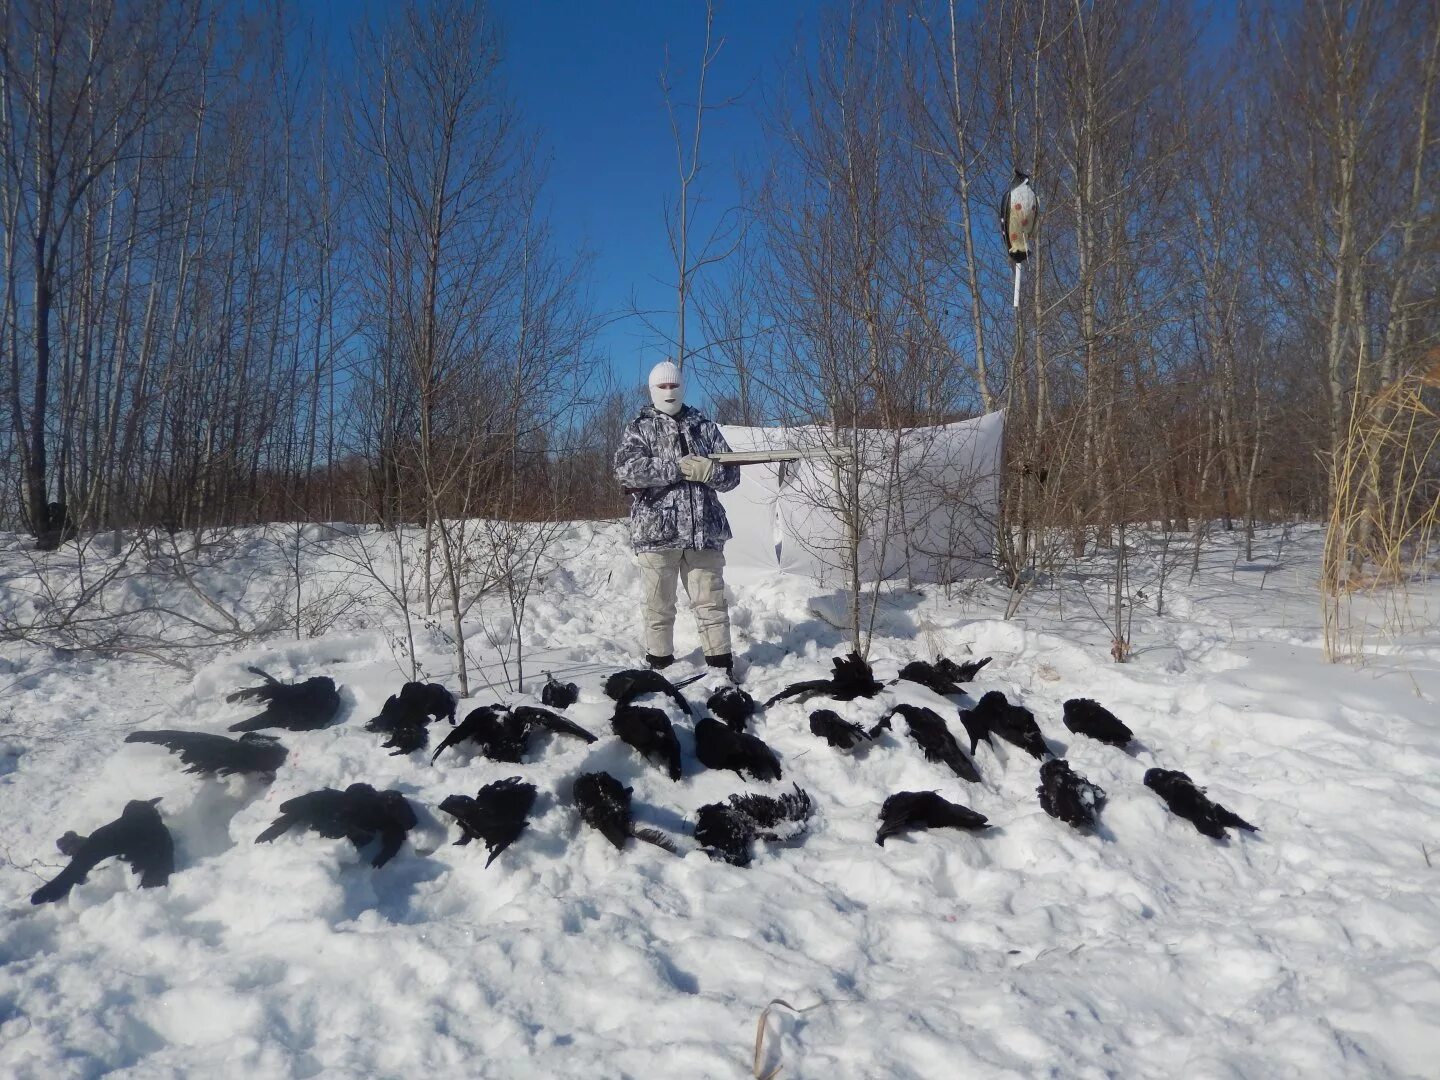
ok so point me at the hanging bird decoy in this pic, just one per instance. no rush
(1018, 214)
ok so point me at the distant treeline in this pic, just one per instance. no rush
(242, 287)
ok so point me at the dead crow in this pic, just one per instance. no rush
(496, 815)
(405, 715)
(626, 686)
(359, 814)
(975, 727)
(1190, 802)
(1069, 796)
(1086, 717)
(430, 700)
(504, 734)
(840, 733)
(851, 679)
(720, 747)
(215, 755)
(499, 733)
(924, 673)
(137, 837)
(650, 732)
(534, 716)
(726, 830)
(558, 695)
(294, 706)
(959, 673)
(604, 804)
(1013, 723)
(907, 810)
(732, 705)
(928, 730)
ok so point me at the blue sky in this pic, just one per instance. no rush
(587, 77)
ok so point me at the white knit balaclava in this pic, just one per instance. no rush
(669, 401)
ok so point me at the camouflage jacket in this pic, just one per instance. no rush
(667, 511)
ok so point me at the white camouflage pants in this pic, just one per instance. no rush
(702, 573)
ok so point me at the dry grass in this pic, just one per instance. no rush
(1385, 510)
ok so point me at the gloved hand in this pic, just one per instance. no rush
(697, 468)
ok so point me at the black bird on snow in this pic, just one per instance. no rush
(1067, 795)
(626, 686)
(604, 804)
(851, 678)
(960, 673)
(944, 676)
(504, 734)
(358, 814)
(721, 747)
(733, 705)
(726, 830)
(1084, 716)
(137, 837)
(928, 730)
(1018, 214)
(499, 733)
(496, 815)
(405, 716)
(536, 717)
(1013, 723)
(294, 706)
(907, 810)
(649, 732)
(215, 755)
(1190, 802)
(840, 733)
(558, 695)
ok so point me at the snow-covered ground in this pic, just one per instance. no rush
(1145, 950)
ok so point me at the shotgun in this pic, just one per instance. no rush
(761, 457)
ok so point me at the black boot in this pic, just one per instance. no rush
(657, 663)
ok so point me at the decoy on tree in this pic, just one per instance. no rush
(1018, 214)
